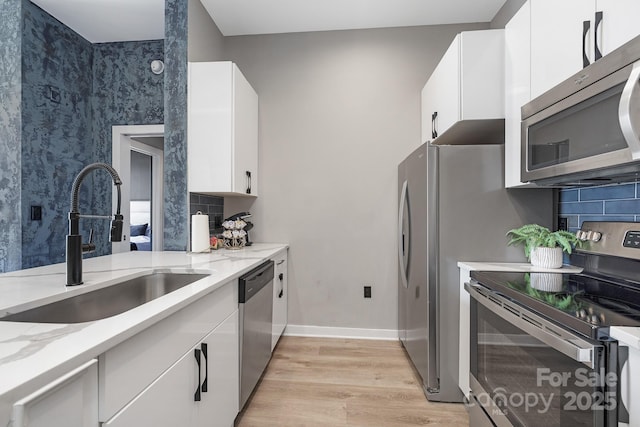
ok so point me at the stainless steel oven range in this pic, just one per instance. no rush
(541, 354)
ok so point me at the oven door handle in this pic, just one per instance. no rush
(566, 343)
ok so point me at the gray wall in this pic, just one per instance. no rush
(506, 12)
(140, 176)
(206, 42)
(338, 111)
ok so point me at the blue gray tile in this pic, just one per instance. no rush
(581, 208)
(625, 218)
(610, 192)
(569, 195)
(622, 207)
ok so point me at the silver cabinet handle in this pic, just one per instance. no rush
(403, 271)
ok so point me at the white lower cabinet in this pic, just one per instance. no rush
(464, 337)
(200, 389)
(280, 298)
(69, 401)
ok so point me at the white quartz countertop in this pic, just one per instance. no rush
(627, 335)
(516, 267)
(33, 354)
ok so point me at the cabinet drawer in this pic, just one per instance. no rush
(128, 368)
(70, 401)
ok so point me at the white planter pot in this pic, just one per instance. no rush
(546, 257)
(548, 282)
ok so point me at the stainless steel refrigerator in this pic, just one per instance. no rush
(452, 207)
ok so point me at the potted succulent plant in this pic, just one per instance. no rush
(542, 246)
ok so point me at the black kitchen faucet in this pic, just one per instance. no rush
(75, 247)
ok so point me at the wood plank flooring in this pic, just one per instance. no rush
(343, 382)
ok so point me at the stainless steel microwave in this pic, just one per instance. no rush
(585, 131)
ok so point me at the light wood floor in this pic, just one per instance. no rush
(343, 382)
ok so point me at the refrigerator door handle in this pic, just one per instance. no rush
(401, 241)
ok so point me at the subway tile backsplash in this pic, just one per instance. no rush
(618, 202)
(210, 205)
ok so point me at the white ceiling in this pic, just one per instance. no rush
(109, 20)
(239, 17)
(119, 20)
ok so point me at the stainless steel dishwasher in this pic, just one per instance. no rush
(256, 311)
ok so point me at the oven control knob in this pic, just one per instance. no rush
(595, 319)
(581, 235)
(596, 236)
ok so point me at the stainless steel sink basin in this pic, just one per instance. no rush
(107, 302)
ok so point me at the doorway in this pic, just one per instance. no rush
(138, 156)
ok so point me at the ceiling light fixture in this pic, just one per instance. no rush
(157, 66)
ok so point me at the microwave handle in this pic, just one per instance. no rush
(629, 111)
(534, 325)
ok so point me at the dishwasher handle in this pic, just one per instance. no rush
(250, 283)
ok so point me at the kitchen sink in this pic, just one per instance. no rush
(108, 301)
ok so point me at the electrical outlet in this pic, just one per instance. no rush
(367, 291)
(36, 213)
(563, 223)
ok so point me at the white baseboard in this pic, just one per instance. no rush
(333, 332)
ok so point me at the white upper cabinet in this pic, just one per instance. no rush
(557, 40)
(222, 130)
(619, 23)
(517, 91)
(463, 100)
(568, 35)
(548, 41)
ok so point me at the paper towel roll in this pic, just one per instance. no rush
(199, 232)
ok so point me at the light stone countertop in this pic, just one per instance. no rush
(515, 267)
(628, 335)
(34, 354)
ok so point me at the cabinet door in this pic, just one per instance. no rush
(517, 81)
(210, 118)
(427, 108)
(280, 297)
(245, 140)
(70, 401)
(619, 23)
(219, 405)
(167, 402)
(557, 40)
(464, 335)
(128, 368)
(446, 88)
(178, 397)
(481, 80)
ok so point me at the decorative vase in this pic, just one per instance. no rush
(546, 257)
(547, 282)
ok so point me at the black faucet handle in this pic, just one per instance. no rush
(90, 246)
(117, 224)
